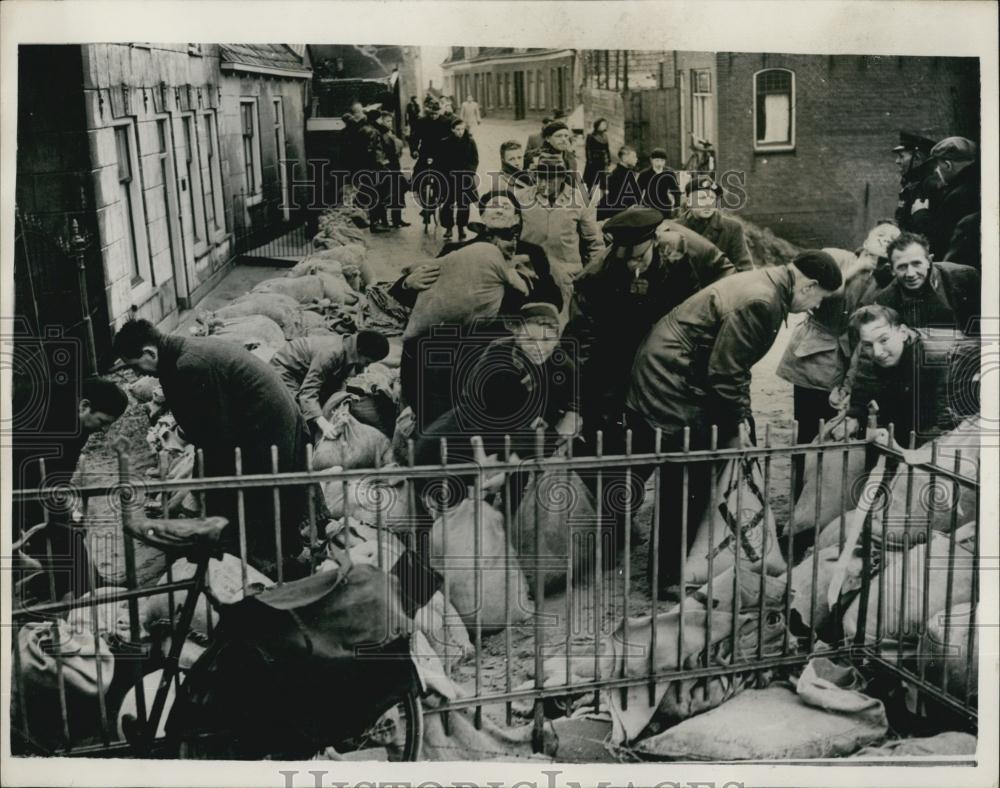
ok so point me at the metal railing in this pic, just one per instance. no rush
(265, 228)
(741, 651)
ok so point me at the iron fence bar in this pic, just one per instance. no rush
(974, 604)
(815, 552)
(654, 564)
(292, 478)
(508, 516)
(737, 549)
(716, 670)
(477, 550)
(843, 488)
(124, 473)
(685, 509)
(714, 486)
(925, 602)
(950, 579)
(102, 711)
(764, 546)
(276, 504)
(598, 566)
(242, 521)
(789, 527)
(627, 573)
(538, 721)
(52, 608)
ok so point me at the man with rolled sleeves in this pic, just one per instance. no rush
(693, 371)
(651, 267)
(702, 213)
(916, 180)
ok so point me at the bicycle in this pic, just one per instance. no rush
(292, 672)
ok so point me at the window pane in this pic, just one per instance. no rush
(777, 118)
(124, 159)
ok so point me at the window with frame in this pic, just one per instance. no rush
(701, 104)
(192, 172)
(130, 200)
(250, 131)
(774, 109)
(211, 172)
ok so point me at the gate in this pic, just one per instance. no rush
(620, 659)
(266, 231)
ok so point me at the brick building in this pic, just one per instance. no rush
(513, 83)
(160, 154)
(650, 98)
(813, 134)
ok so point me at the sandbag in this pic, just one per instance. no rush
(802, 584)
(79, 652)
(906, 629)
(680, 699)
(302, 289)
(357, 445)
(766, 724)
(453, 552)
(725, 520)
(112, 618)
(369, 501)
(446, 633)
(225, 578)
(349, 254)
(947, 743)
(259, 334)
(951, 659)
(832, 488)
(283, 310)
(567, 520)
(935, 502)
(461, 740)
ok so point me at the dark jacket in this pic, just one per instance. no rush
(723, 231)
(957, 200)
(949, 297)
(694, 367)
(912, 396)
(965, 246)
(412, 115)
(661, 191)
(598, 155)
(920, 183)
(519, 391)
(457, 154)
(614, 311)
(429, 133)
(224, 397)
(622, 192)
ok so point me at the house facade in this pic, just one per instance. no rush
(513, 83)
(160, 153)
(812, 135)
(650, 98)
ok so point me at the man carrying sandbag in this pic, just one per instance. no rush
(693, 371)
(312, 368)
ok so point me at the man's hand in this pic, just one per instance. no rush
(840, 398)
(518, 282)
(422, 277)
(328, 430)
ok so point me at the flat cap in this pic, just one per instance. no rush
(633, 225)
(553, 127)
(540, 311)
(915, 142)
(955, 149)
(658, 153)
(702, 183)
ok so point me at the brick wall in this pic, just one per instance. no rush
(841, 175)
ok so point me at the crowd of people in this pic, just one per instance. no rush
(611, 311)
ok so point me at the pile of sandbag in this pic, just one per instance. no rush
(176, 461)
(259, 334)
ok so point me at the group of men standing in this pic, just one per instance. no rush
(637, 333)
